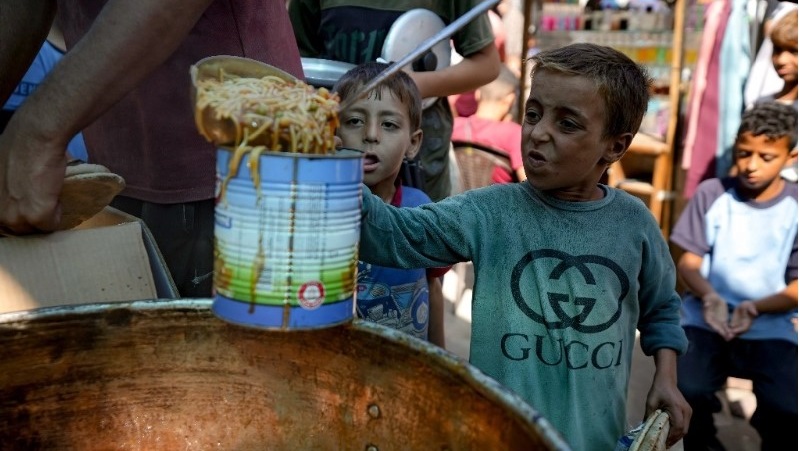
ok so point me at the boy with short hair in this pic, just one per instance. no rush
(355, 31)
(565, 268)
(783, 36)
(386, 126)
(739, 236)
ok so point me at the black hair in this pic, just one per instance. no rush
(773, 119)
(399, 84)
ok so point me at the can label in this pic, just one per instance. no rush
(286, 250)
(311, 295)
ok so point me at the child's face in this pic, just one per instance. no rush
(380, 127)
(785, 60)
(759, 161)
(563, 149)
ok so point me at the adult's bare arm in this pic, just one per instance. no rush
(124, 44)
(23, 27)
(473, 71)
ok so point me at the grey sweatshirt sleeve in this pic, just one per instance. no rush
(659, 319)
(431, 235)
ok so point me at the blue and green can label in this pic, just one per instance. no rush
(286, 234)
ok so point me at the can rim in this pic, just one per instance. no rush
(342, 153)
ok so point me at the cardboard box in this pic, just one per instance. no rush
(111, 257)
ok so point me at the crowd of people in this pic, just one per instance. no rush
(566, 268)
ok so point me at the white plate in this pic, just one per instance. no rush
(410, 30)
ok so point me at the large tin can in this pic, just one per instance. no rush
(286, 238)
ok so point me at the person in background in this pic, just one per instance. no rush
(354, 32)
(464, 104)
(783, 34)
(740, 268)
(125, 83)
(49, 55)
(513, 23)
(491, 127)
(386, 126)
(762, 78)
(565, 268)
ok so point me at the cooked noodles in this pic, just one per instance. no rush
(256, 115)
(281, 115)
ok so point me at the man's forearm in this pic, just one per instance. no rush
(472, 72)
(124, 44)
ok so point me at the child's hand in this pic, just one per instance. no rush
(666, 396)
(338, 142)
(715, 312)
(742, 317)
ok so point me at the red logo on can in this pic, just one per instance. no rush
(311, 295)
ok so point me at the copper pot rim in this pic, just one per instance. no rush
(471, 375)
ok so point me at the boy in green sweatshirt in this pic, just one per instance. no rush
(565, 268)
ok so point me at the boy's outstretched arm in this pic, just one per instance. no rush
(665, 395)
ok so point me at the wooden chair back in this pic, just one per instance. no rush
(476, 163)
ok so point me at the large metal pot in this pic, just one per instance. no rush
(323, 73)
(170, 375)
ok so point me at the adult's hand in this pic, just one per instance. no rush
(124, 44)
(31, 176)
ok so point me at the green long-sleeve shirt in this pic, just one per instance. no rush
(559, 290)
